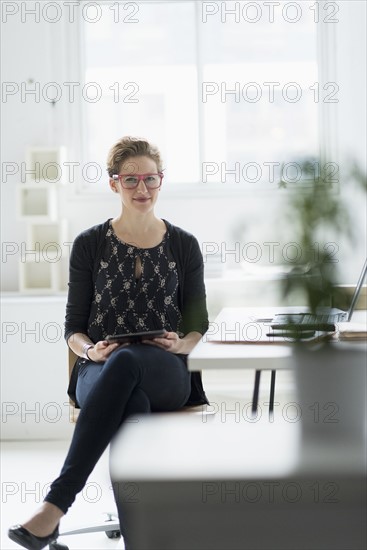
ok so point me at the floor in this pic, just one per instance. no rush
(27, 467)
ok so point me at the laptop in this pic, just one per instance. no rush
(325, 319)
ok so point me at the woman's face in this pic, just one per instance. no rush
(141, 198)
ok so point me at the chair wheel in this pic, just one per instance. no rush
(57, 546)
(113, 534)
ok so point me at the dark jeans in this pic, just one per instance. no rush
(136, 379)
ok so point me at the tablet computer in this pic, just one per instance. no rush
(135, 336)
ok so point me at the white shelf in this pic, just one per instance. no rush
(46, 163)
(42, 267)
(39, 276)
(36, 202)
(44, 233)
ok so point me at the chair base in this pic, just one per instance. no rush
(111, 526)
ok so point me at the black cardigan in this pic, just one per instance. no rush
(85, 258)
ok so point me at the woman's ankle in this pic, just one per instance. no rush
(44, 521)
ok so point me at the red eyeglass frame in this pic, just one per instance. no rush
(140, 177)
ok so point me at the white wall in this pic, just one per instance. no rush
(40, 51)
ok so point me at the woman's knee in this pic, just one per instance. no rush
(123, 363)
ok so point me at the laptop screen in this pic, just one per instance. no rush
(357, 290)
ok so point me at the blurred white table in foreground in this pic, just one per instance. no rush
(185, 483)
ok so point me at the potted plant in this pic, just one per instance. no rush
(316, 211)
(330, 377)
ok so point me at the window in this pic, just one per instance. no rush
(227, 90)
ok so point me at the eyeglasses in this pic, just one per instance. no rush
(151, 181)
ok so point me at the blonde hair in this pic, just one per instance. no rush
(129, 147)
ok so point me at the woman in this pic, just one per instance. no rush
(133, 273)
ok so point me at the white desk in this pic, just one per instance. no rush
(231, 324)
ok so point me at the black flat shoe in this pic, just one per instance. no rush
(22, 536)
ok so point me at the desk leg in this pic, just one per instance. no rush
(255, 397)
(272, 391)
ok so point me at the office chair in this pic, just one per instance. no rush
(111, 527)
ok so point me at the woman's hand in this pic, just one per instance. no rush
(101, 351)
(173, 343)
(170, 342)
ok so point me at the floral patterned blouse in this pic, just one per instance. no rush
(121, 302)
